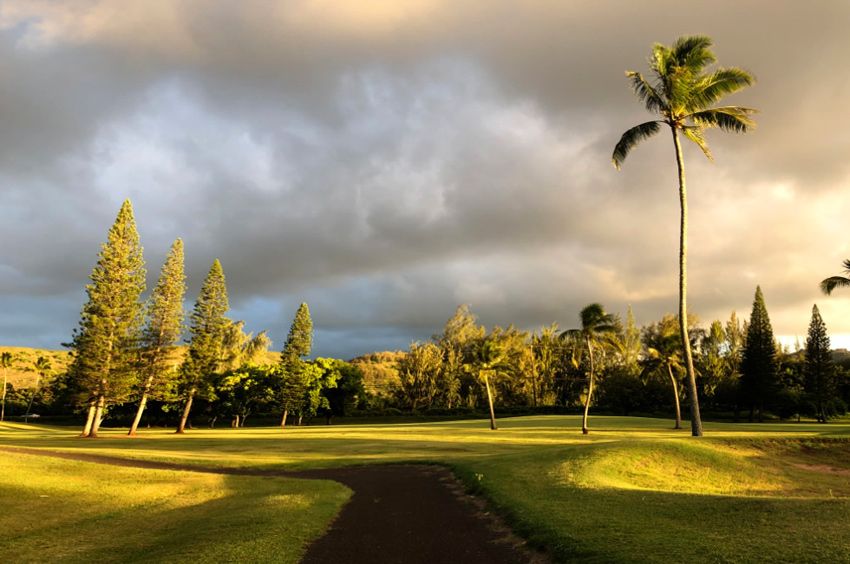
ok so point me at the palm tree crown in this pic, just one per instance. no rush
(682, 92)
(833, 282)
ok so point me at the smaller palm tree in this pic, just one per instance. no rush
(489, 356)
(597, 328)
(664, 351)
(833, 282)
(42, 368)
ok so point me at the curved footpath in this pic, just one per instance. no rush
(398, 514)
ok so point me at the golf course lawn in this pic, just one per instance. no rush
(634, 490)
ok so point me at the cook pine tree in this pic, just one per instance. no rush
(758, 361)
(208, 326)
(164, 327)
(298, 345)
(819, 370)
(105, 345)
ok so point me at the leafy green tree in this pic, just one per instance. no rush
(456, 380)
(827, 285)
(419, 372)
(715, 368)
(6, 361)
(42, 368)
(105, 345)
(758, 362)
(597, 329)
(348, 391)
(548, 364)
(240, 348)
(239, 392)
(682, 92)
(299, 342)
(164, 327)
(819, 370)
(208, 327)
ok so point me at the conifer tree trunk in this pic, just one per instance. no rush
(89, 420)
(98, 416)
(182, 425)
(696, 421)
(142, 403)
(584, 429)
(676, 397)
(283, 421)
(493, 426)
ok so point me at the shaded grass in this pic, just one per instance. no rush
(634, 490)
(76, 512)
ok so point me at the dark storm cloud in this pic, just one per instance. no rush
(386, 161)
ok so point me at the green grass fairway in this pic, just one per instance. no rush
(76, 512)
(633, 491)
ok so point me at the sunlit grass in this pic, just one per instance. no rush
(634, 490)
(75, 512)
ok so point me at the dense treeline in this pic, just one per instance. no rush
(742, 370)
(126, 364)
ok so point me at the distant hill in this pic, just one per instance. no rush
(22, 374)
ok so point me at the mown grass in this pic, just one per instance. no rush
(75, 512)
(634, 490)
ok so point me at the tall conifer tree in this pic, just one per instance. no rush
(819, 369)
(208, 326)
(105, 344)
(298, 344)
(164, 326)
(758, 362)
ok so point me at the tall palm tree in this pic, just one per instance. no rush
(42, 368)
(833, 282)
(682, 92)
(6, 361)
(597, 328)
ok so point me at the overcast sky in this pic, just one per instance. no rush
(385, 161)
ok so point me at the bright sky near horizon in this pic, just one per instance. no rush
(387, 161)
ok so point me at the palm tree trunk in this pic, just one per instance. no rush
(32, 397)
(676, 397)
(3, 408)
(584, 429)
(142, 403)
(181, 427)
(696, 422)
(493, 426)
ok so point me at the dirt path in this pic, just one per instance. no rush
(398, 514)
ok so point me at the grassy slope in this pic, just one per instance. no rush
(632, 491)
(75, 512)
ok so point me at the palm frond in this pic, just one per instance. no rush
(693, 52)
(711, 88)
(833, 282)
(734, 119)
(695, 134)
(646, 93)
(631, 138)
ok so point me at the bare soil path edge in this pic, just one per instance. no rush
(398, 514)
